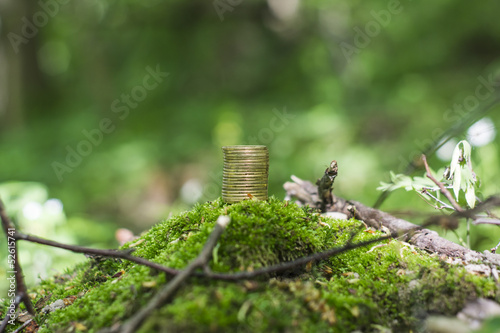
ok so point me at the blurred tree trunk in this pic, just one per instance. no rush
(24, 89)
(11, 106)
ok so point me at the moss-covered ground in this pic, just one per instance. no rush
(390, 285)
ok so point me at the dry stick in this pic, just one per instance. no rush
(443, 189)
(21, 289)
(21, 328)
(106, 253)
(166, 293)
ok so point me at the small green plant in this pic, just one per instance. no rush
(458, 176)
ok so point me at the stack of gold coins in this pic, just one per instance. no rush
(245, 173)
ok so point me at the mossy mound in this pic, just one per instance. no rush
(391, 285)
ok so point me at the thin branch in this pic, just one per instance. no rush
(295, 263)
(103, 252)
(443, 204)
(443, 189)
(21, 328)
(169, 290)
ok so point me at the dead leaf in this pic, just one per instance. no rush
(79, 326)
(24, 317)
(140, 241)
(118, 274)
(149, 284)
(69, 300)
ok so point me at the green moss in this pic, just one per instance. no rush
(391, 285)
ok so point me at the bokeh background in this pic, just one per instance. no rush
(113, 113)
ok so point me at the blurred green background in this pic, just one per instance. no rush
(95, 135)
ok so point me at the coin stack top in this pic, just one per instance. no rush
(245, 173)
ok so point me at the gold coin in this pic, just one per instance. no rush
(241, 197)
(246, 164)
(246, 153)
(244, 190)
(242, 193)
(249, 196)
(260, 175)
(245, 147)
(245, 181)
(243, 159)
(245, 170)
(249, 163)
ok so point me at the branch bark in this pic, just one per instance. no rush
(325, 186)
(422, 238)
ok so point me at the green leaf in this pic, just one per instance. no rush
(454, 164)
(467, 150)
(470, 195)
(457, 178)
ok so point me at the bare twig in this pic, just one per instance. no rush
(443, 189)
(166, 293)
(23, 326)
(443, 204)
(126, 254)
(295, 263)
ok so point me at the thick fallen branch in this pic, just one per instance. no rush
(422, 238)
